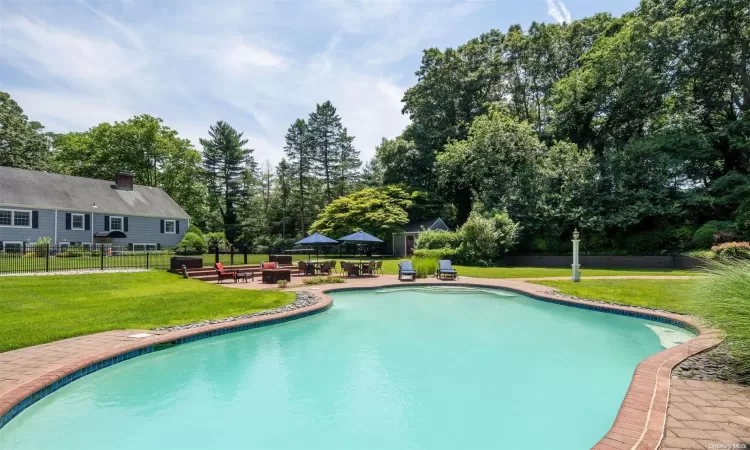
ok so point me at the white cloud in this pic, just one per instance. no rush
(558, 11)
(241, 58)
(258, 66)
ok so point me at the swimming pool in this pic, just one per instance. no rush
(414, 368)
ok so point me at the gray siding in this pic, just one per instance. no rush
(144, 230)
(141, 230)
(15, 234)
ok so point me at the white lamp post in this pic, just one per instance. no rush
(576, 266)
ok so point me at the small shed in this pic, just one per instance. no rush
(403, 242)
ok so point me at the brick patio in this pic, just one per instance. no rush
(657, 409)
(704, 414)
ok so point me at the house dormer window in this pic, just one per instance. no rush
(170, 226)
(116, 223)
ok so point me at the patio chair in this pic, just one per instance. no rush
(333, 266)
(367, 269)
(379, 267)
(349, 268)
(305, 268)
(223, 274)
(325, 268)
(446, 269)
(406, 269)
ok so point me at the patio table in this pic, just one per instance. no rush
(274, 275)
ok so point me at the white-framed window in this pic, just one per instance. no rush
(144, 247)
(116, 223)
(64, 245)
(12, 247)
(77, 221)
(170, 226)
(14, 218)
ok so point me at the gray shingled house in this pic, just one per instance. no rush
(403, 242)
(83, 211)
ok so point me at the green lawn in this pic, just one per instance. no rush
(39, 309)
(670, 295)
(721, 298)
(390, 266)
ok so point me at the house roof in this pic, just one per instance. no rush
(429, 224)
(35, 189)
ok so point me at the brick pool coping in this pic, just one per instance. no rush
(639, 425)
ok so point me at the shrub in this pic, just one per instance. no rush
(322, 280)
(282, 284)
(735, 250)
(73, 251)
(682, 237)
(42, 245)
(437, 253)
(487, 238)
(742, 219)
(283, 243)
(425, 266)
(192, 244)
(703, 238)
(216, 239)
(649, 241)
(704, 254)
(192, 228)
(261, 249)
(437, 239)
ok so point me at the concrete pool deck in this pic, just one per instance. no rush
(656, 411)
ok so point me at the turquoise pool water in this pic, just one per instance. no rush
(397, 369)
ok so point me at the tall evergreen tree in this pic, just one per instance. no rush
(299, 152)
(324, 129)
(284, 186)
(347, 167)
(225, 161)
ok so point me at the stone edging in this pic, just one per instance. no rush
(642, 417)
(21, 397)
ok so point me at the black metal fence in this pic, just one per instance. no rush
(30, 258)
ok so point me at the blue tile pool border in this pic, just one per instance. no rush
(82, 372)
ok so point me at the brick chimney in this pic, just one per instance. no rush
(124, 181)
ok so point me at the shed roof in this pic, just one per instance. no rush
(428, 224)
(35, 189)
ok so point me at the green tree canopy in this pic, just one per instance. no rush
(379, 212)
(23, 144)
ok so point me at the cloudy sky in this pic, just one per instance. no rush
(258, 65)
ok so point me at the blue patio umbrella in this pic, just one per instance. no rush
(360, 237)
(318, 240)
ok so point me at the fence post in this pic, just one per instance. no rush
(216, 253)
(146, 259)
(101, 247)
(231, 255)
(245, 253)
(47, 261)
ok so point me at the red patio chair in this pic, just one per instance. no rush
(222, 273)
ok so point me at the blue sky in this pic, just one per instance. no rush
(258, 65)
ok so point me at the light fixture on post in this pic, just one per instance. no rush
(576, 266)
